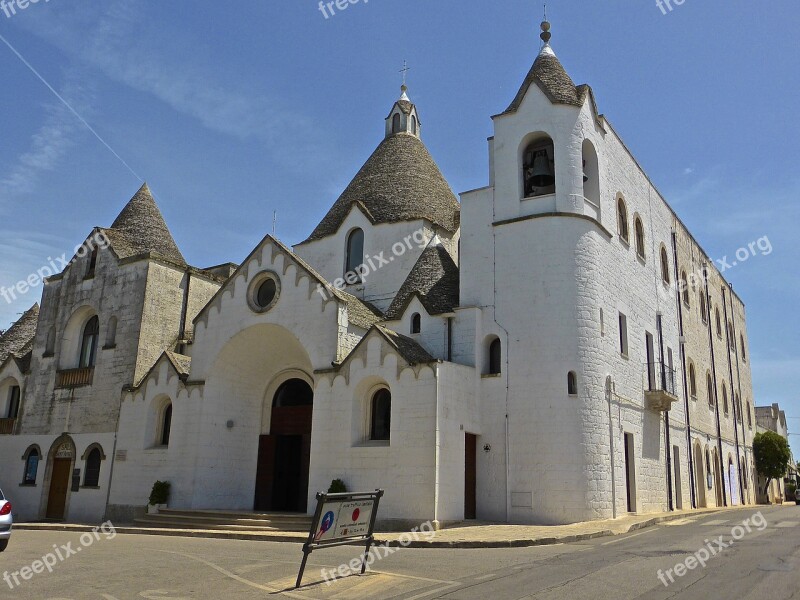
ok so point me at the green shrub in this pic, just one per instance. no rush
(160, 493)
(337, 487)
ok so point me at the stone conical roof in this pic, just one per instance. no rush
(551, 77)
(144, 227)
(18, 339)
(434, 279)
(399, 182)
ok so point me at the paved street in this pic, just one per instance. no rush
(764, 562)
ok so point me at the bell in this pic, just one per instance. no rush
(585, 176)
(542, 175)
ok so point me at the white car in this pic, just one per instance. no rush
(6, 521)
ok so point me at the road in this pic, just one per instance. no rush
(763, 563)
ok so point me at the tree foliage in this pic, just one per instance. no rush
(772, 455)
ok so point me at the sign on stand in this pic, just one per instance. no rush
(342, 520)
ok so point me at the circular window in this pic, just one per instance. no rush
(264, 292)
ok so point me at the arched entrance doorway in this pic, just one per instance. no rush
(62, 458)
(700, 476)
(284, 455)
(718, 483)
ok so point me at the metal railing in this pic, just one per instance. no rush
(660, 377)
(73, 378)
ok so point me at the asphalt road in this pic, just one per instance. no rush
(763, 563)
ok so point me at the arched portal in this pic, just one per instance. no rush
(61, 460)
(700, 476)
(284, 454)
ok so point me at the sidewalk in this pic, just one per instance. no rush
(477, 535)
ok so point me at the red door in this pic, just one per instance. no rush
(471, 477)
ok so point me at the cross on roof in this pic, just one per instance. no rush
(405, 70)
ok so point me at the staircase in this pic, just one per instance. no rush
(213, 520)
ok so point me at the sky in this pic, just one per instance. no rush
(232, 112)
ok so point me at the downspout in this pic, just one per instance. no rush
(683, 366)
(739, 387)
(660, 325)
(714, 379)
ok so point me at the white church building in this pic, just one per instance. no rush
(554, 347)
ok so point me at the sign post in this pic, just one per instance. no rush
(342, 520)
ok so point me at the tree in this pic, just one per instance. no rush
(772, 456)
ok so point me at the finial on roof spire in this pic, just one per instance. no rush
(546, 35)
(404, 87)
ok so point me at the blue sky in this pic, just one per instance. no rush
(232, 112)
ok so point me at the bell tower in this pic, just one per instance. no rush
(403, 117)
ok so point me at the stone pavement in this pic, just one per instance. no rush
(472, 535)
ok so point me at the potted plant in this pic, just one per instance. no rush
(158, 497)
(337, 487)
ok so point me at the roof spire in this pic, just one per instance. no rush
(546, 36)
(404, 87)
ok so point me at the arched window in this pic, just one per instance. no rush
(166, 425)
(622, 220)
(731, 339)
(710, 389)
(725, 399)
(355, 255)
(572, 383)
(416, 323)
(719, 323)
(111, 333)
(749, 416)
(396, 123)
(14, 395)
(90, 267)
(538, 168)
(91, 332)
(495, 365)
(50, 344)
(665, 265)
(744, 349)
(685, 289)
(639, 233)
(591, 174)
(744, 472)
(703, 307)
(31, 457)
(381, 416)
(414, 125)
(91, 477)
(739, 408)
(692, 381)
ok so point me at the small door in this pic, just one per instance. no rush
(59, 485)
(676, 466)
(630, 472)
(471, 477)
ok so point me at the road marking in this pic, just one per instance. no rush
(715, 523)
(622, 539)
(438, 592)
(482, 577)
(787, 524)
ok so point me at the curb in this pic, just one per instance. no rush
(301, 538)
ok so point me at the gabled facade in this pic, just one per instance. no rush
(555, 348)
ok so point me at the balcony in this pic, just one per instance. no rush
(660, 386)
(7, 426)
(74, 378)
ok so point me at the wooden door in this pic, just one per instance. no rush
(59, 485)
(471, 477)
(265, 473)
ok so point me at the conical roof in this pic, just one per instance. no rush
(434, 279)
(18, 339)
(551, 77)
(144, 228)
(399, 182)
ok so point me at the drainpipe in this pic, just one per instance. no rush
(660, 325)
(683, 366)
(714, 379)
(737, 414)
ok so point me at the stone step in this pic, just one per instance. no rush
(235, 521)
